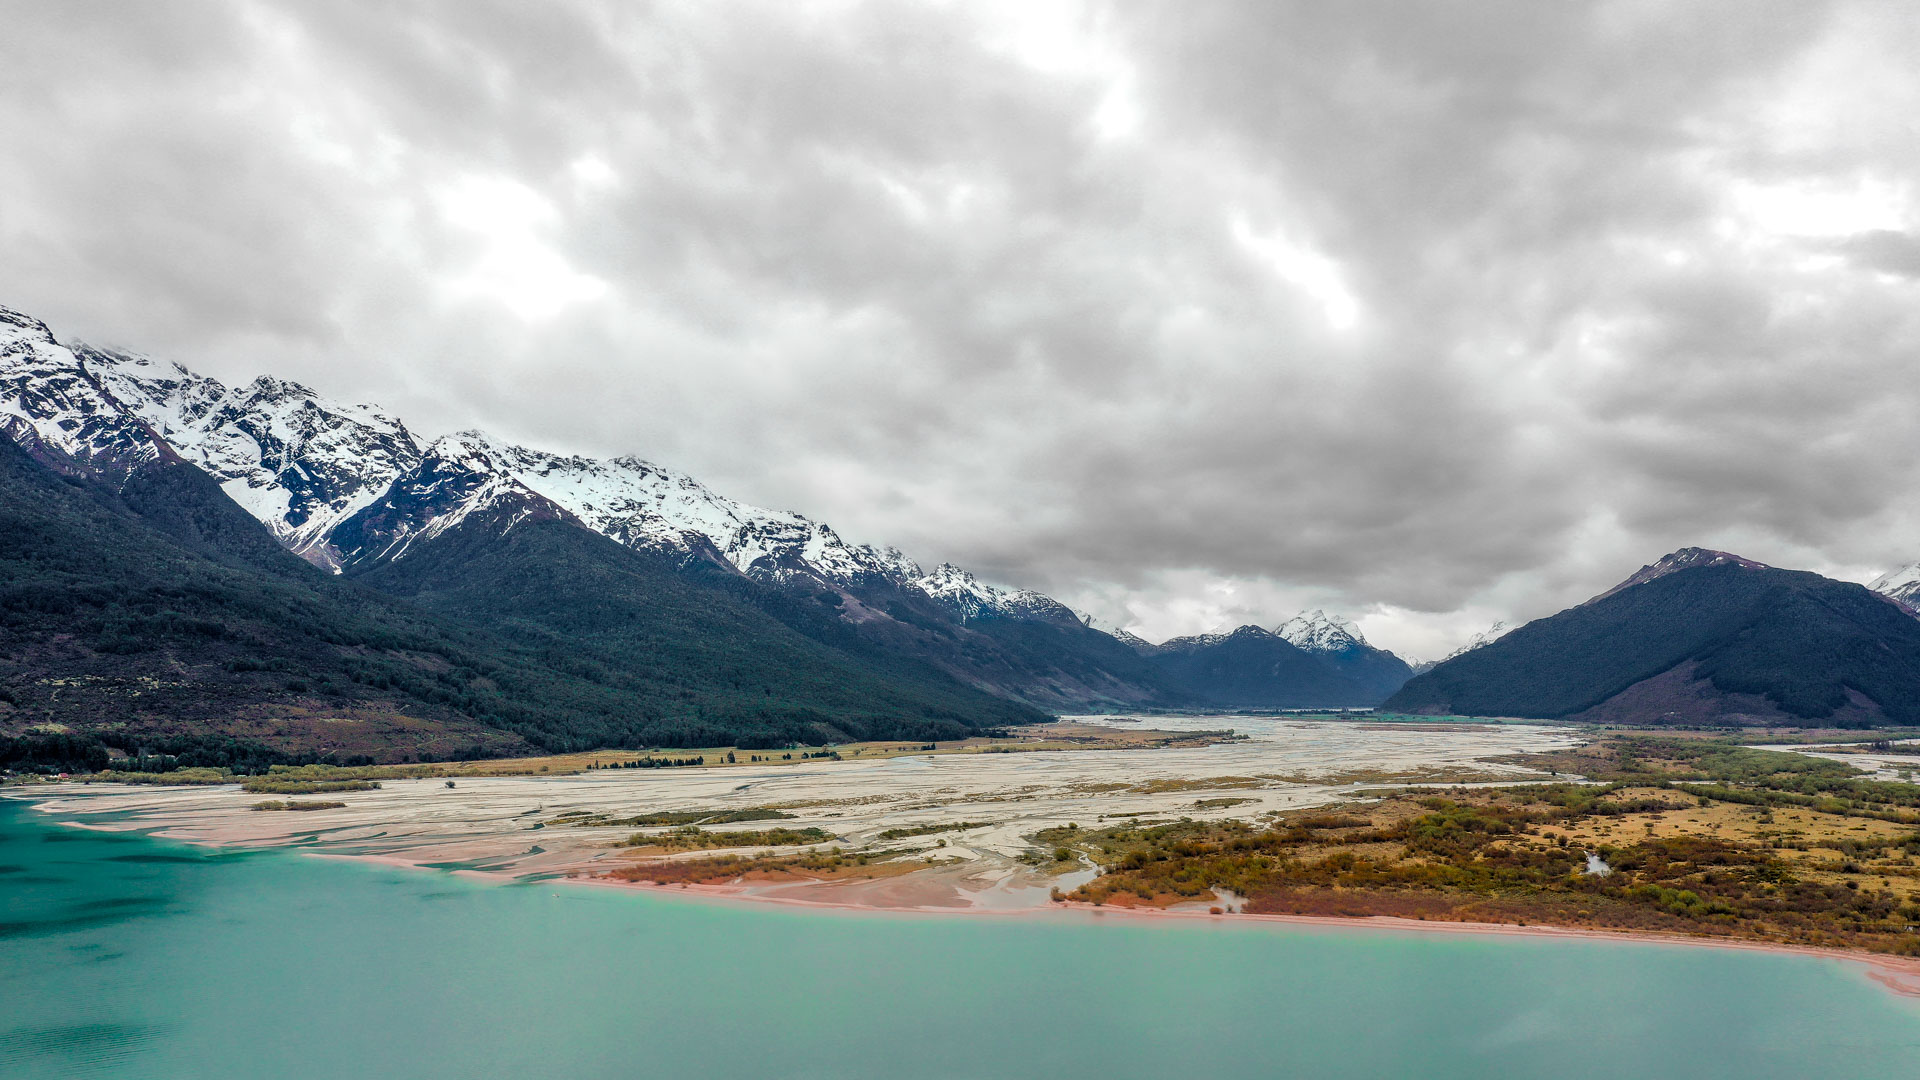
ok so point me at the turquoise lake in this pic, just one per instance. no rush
(126, 956)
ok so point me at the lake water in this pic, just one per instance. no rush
(126, 956)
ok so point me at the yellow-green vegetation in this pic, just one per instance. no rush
(809, 866)
(1203, 783)
(1720, 767)
(1824, 736)
(276, 786)
(177, 778)
(906, 831)
(694, 838)
(274, 804)
(672, 817)
(1697, 834)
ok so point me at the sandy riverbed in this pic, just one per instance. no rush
(503, 825)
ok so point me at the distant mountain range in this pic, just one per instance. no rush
(716, 620)
(180, 558)
(1312, 660)
(1697, 637)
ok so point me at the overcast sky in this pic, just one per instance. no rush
(1187, 314)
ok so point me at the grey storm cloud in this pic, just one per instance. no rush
(1189, 314)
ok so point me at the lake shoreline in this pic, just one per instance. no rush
(147, 955)
(1898, 974)
(936, 891)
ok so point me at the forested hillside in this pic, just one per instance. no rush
(162, 612)
(701, 663)
(1730, 642)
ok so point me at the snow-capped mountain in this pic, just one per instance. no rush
(344, 485)
(1902, 585)
(1341, 644)
(1252, 666)
(972, 598)
(650, 508)
(57, 411)
(298, 462)
(1317, 631)
(457, 479)
(643, 505)
(1190, 642)
(1485, 637)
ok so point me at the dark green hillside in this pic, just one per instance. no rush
(167, 618)
(1377, 672)
(111, 625)
(1727, 641)
(1253, 669)
(1055, 664)
(703, 662)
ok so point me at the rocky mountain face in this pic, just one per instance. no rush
(58, 412)
(1699, 637)
(297, 462)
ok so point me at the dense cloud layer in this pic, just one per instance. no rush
(1187, 314)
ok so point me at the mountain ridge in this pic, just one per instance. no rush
(1708, 638)
(305, 465)
(350, 489)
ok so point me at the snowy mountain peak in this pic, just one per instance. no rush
(55, 409)
(1217, 637)
(1485, 637)
(1897, 582)
(272, 388)
(1683, 559)
(460, 477)
(959, 590)
(648, 507)
(348, 483)
(20, 324)
(1902, 586)
(475, 451)
(1317, 631)
(298, 462)
(164, 394)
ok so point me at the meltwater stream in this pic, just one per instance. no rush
(124, 956)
